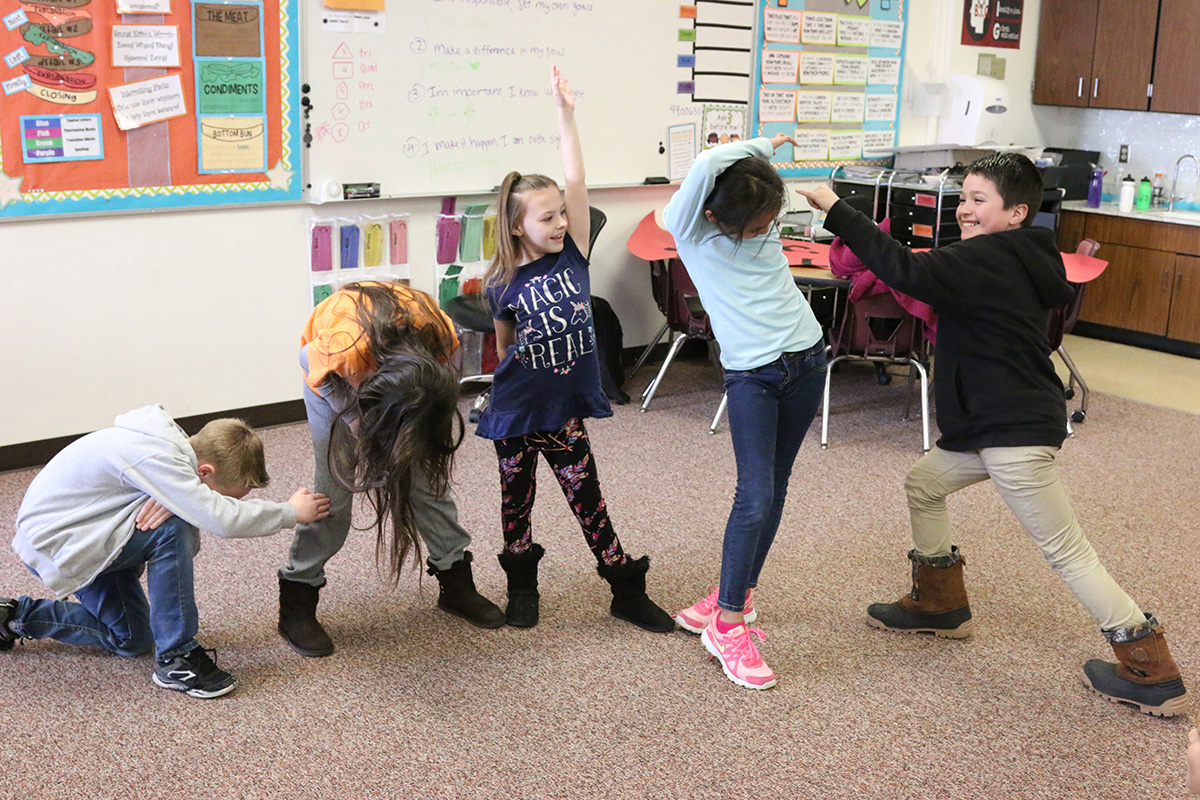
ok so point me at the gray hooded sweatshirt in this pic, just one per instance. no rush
(79, 511)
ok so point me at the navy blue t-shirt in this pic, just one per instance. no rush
(552, 373)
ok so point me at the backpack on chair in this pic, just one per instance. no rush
(609, 343)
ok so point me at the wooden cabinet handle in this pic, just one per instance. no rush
(1178, 281)
(1079, 91)
(1095, 86)
(1166, 280)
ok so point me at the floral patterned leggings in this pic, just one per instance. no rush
(569, 454)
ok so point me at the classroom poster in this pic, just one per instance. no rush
(830, 79)
(992, 23)
(146, 104)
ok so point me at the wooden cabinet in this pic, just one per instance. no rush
(1184, 322)
(1152, 282)
(1177, 59)
(1096, 53)
(1133, 292)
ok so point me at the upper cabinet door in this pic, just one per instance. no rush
(1066, 40)
(1124, 54)
(1177, 67)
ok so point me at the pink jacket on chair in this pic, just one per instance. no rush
(844, 264)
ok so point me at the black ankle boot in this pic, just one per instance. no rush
(298, 623)
(521, 568)
(457, 594)
(630, 601)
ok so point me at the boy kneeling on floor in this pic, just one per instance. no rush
(131, 499)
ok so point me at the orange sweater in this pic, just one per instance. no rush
(336, 342)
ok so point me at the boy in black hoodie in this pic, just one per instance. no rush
(1001, 413)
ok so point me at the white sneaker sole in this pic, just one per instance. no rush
(712, 649)
(201, 693)
(689, 627)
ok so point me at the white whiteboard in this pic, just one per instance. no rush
(453, 94)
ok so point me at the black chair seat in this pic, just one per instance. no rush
(470, 311)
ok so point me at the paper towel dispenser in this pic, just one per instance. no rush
(975, 111)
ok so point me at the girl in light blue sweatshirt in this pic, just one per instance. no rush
(723, 219)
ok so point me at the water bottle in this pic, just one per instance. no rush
(1096, 188)
(1143, 194)
(1128, 190)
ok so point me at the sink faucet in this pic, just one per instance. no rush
(1175, 178)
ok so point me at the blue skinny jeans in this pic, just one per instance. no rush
(770, 410)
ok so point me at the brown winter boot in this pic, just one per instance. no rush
(1146, 676)
(937, 603)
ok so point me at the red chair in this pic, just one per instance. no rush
(877, 330)
(1062, 321)
(685, 315)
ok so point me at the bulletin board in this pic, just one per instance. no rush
(128, 105)
(442, 97)
(828, 73)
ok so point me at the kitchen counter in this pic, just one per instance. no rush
(1153, 215)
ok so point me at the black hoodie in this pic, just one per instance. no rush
(993, 382)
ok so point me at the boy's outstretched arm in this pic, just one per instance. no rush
(579, 218)
(309, 507)
(931, 277)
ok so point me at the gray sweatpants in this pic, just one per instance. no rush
(316, 542)
(1027, 480)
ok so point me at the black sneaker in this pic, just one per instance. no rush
(195, 674)
(8, 610)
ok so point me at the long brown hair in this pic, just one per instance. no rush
(401, 426)
(510, 208)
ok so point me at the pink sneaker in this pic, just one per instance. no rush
(695, 618)
(738, 655)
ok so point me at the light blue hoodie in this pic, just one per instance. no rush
(79, 511)
(757, 312)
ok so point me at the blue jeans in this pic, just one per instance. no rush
(770, 409)
(113, 611)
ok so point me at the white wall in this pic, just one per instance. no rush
(202, 311)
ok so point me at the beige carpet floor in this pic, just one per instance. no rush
(418, 704)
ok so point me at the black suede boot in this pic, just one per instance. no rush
(298, 623)
(630, 601)
(457, 594)
(521, 568)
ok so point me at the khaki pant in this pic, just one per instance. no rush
(1027, 479)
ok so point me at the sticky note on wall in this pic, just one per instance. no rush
(321, 255)
(398, 241)
(349, 247)
(448, 285)
(447, 238)
(489, 237)
(372, 244)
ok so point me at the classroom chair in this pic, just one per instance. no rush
(685, 315)
(878, 330)
(1062, 321)
(471, 312)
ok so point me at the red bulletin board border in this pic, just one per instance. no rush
(52, 187)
